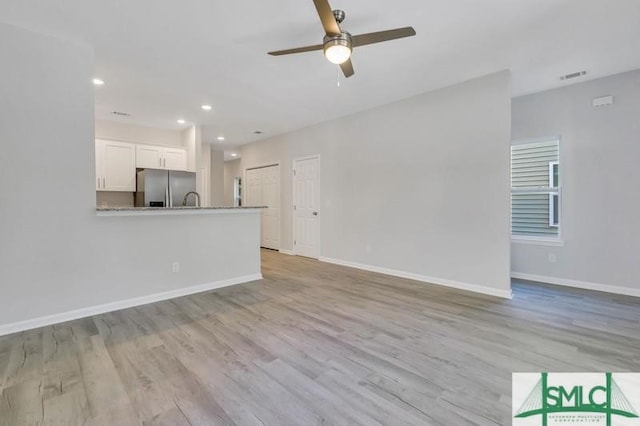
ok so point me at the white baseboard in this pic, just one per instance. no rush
(585, 285)
(287, 252)
(506, 294)
(123, 304)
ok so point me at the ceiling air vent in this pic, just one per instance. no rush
(573, 75)
(121, 114)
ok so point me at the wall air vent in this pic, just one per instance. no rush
(573, 75)
(121, 114)
(603, 101)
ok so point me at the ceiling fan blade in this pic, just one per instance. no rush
(347, 68)
(380, 36)
(296, 50)
(325, 13)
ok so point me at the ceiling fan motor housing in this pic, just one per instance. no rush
(339, 43)
(343, 39)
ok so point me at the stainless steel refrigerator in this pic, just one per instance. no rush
(164, 188)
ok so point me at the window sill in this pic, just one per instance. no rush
(553, 242)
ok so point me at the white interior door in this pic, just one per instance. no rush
(262, 188)
(271, 215)
(253, 188)
(306, 205)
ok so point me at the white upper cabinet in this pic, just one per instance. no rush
(175, 159)
(115, 166)
(148, 157)
(157, 157)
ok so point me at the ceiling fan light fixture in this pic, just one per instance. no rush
(338, 44)
(337, 49)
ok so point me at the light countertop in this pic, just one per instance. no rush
(148, 211)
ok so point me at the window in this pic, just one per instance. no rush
(237, 192)
(535, 190)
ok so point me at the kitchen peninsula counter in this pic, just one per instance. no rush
(159, 211)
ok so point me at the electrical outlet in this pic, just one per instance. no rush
(175, 267)
(552, 257)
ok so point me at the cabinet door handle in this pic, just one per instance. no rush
(103, 183)
(165, 163)
(160, 161)
(98, 184)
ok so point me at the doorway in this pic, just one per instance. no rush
(306, 207)
(263, 189)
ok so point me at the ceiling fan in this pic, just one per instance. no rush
(338, 44)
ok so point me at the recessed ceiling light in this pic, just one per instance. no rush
(98, 82)
(220, 138)
(234, 155)
(181, 121)
(206, 107)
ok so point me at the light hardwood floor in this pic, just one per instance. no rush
(312, 343)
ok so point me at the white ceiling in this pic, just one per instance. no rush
(162, 59)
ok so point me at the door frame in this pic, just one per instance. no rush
(244, 188)
(293, 201)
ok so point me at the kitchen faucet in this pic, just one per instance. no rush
(184, 202)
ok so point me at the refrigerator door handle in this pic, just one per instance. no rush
(169, 195)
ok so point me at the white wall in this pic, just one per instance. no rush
(232, 170)
(113, 130)
(217, 179)
(203, 168)
(190, 138)
(600, 176)
(56, 255)
(418, 186)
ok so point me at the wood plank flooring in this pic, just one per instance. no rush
(312, 343)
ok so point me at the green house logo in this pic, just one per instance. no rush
(598, 400)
